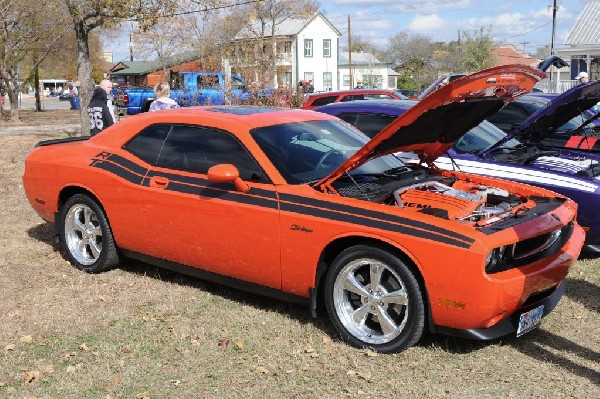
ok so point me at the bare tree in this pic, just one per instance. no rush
(414, 56)
(25, 31)
(88, 15)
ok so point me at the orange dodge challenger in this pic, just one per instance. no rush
(300, 205)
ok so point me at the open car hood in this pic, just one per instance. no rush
(558, 111)
(431, 126)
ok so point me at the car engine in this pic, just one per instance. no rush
(462, 201)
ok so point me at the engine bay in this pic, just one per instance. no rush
(416, 189)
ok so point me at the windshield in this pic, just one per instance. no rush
(481, 138)
(534, 104)
(305, 152)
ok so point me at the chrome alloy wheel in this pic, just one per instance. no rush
(371, 301)
(83, 234)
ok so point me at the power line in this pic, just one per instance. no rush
(206, 9)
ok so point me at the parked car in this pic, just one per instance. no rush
(64, 96)
(187, 89)
(486, 150)
(328, 97)
(300, 205)
(566, 120)
(409, 94)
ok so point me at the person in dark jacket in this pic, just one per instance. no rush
(100, 116)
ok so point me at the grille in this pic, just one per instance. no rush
(534, 245)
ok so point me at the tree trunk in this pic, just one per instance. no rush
(38, 100)
(84, 74)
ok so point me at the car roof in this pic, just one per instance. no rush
(375, 106)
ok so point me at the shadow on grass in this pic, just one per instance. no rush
(535, 347)
(45, 233)
(585, 293)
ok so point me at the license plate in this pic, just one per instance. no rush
(530, 320)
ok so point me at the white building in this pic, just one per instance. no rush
(307, 49)
(583, 53)
(367, 69)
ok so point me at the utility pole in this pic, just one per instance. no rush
(350, 53)
(130, 48)
(554, 8)
(524, 44)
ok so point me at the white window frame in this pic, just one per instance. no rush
(326, 48)
(308, 48)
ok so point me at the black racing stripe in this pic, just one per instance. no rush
(209, 192)
(354, 219)
(205, 182)
(373, 214)
(119, 171)
(134, 167)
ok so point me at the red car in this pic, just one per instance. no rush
(302, 206)
(328, 97)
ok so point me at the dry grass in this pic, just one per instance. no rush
(47, 117)
(141, 332)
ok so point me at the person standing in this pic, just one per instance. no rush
(100, 116)
(583, 78)
(107, 86)
(163, 101)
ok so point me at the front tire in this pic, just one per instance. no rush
(86, 235)
(374, 300)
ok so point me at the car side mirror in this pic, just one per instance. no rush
(227, 173)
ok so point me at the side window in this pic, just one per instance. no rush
(147, 143)
(508, 117)
(176, 79)
(323, 100)
(369, 124)
(207, 81)
(196, 149)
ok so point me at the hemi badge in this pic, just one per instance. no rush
(556, 217)
(39, 201)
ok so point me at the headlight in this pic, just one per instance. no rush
(494, 258)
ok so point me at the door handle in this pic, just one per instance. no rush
(159, 182)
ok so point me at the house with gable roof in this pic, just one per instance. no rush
(149, 73)
(373, 73)
(306, 48)
(583, 53)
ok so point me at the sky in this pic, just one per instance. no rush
(527, 24)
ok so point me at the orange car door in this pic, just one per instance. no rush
(209, 225)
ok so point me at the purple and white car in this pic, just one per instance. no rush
(569, 120)
(487, 150)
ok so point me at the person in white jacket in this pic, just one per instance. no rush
(163, 101)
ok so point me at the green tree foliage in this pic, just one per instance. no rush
(476, 50)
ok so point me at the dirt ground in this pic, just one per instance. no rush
(140, 332)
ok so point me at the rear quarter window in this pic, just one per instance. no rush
(148, 142)
(323, 100)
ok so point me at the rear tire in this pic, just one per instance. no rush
(374, 300)
(86, 235)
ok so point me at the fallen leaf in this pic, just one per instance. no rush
(70, 369)
(223, 341)
(351, 372)
(309, 350)
(315, 354)
(31, 376)
(326, 339)
(84, 347)
(9, 347)
(102, 298)
(371, 354)
(27, 339)
(262, 370)
(366, 375)
(239, 345)
(289, 371)
(175, 382)
(49, 369)
(143, 395)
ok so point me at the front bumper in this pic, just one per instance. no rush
(508, 325)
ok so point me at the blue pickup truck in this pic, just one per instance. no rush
(188, 89)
